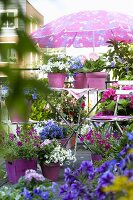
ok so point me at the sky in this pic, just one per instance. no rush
(52, 9)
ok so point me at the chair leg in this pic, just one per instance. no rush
(119, 128)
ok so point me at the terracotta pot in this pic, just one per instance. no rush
(71, 142)
(56, 80)
(17, 168)
(80, 81)
(51, 171)
(96, 80)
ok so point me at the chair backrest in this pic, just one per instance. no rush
(120, 91)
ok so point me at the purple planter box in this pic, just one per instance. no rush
(17, 168)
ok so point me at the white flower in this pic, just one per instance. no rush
(57, 64)
(60, 155)
(85, 129)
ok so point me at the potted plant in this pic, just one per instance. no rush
(71, 108)
(97, 141)
(108, 102)
(31, 186)
(51, 156)
(76, 63)
(52, 130)
(95, 78)
(19, 113)
(20, 152)
(57, 68)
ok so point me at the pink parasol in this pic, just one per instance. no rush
(85, 29)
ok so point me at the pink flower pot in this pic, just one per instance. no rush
(51, 171)
(96, 157)
(96, 80)
(16, 116)
(80, 81)
(17, 168)
(56, 80)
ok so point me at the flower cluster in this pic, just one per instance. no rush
(91, 183)
(51, 130)
(31, 174)
(29, 93)
(22, 145)
(70, 107)
(108, 102)
(98, 141)
(4, 92)
(31, 186)
(76, 63)
(57, 64)
(51, 152)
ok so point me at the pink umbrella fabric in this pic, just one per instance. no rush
(85, 29)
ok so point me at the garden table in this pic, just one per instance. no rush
(77, 93)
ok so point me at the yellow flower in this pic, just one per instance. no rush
(121, 184)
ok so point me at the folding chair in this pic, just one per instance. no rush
(115, 119)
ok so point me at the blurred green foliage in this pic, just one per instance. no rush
(23, 46)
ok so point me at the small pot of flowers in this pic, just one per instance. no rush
(52, 130)
(108, 102)
(76, 63)
(51, 156)
(20, 152)
(19, 112)
(97, 141)
(93, 68)
(57, 68)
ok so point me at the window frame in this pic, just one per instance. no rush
(15, 11)
(2, 62)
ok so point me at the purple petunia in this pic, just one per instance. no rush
(26, 193)
(32, 174)
(19, 144)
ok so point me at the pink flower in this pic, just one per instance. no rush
(88, 136)
(98, 136)
(108, 94)
(19, 143)
(81, 139)
(11, 136)
(82, 104)
(91, 141)
(46, 142)
(107, 146)
(115, 84)
(18, 130)
(93, 56)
